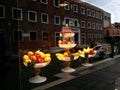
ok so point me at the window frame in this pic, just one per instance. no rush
(46, 2)
(54, 3)
(30, 35)
(55, 17)
(13, 17)
(43, 37)
(82, 10)
(3, 7)
(75, 8)
(47, 18)
(82, 24)
(68, 6)
(88, 12)
(30, 11)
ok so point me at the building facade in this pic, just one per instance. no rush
(34, 24)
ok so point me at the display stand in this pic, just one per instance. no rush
(37, 78)
(87, 56)
(67, 43)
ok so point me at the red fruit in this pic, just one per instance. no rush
(40, 60)
(91, 52)
(37, 54)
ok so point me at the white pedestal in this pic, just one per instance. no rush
(37, 79)
(87, 64)
(68, 69)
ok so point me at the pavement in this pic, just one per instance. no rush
(102, 75)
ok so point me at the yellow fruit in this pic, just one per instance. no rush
(59, 55)
(66, 54)
(68, 42)
(42, 55)
(47, 55)
(29, 53)
(26, 62)
(25, 57)
(47, 59)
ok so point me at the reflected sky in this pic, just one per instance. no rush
(111, 6)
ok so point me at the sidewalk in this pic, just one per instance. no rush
(103, 75)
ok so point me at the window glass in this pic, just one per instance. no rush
(17, 13)
(32, 35)
(32, 16)
(57, 20)
(44, 18)
(45, 36)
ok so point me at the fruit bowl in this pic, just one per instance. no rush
(87, 53)
(67, 58)
(67, 45)
(41, 65)
(39, 60)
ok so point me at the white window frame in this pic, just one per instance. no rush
(97, 26)
(3, 11)
(75, 8)
(30, 11)
(88, 12)
(76, 20)
(93, 25)
(42, 19)
(93, 13)
(55, 20)
(82, 26)
(89, 25)
(20, 13)
(97, 15)
(56, 5)
(68, 5)
(100, 16)
(82, 10)
(44, 2)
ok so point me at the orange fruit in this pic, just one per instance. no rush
(60, 42)
(66, 54)
(29, 53)
(33, 58)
